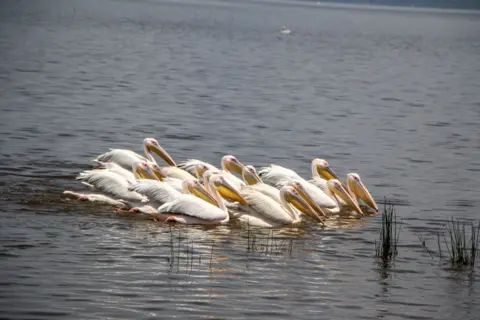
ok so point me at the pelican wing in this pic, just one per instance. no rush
(113, 167)
(267, 190)
(174, 172)
(110, 183)
(321, 184)
(191, 164)
(122, 157)
(265, 206)
(157, 192)
(174, 183)
(194, 207)
(317, 195)
(274, 174)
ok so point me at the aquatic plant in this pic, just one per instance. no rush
(268, 244)
(387, 248)
(183, 256)
(462, 248)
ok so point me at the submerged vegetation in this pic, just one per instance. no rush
(268, 244)
(387, 248)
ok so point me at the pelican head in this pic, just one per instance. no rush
(158, 172)
(336, 187)
(230, 163)
(152, 145)
(200, 170)
(143, 170)
(320, 167)
(206, 177)
(195, 188)
(250, 175)
(356, 187)
(226, 190)
(303, 193)
(291, 196)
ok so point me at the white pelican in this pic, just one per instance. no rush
(357, 189)
(263, 211)
(229, 163)
(345, 203)
(113, 167)
(125, 158)
(285, 31)
(251, 177)
(113, 186)
(156, 191)
(278, 176)
(322, 172)
(189, 209)
(229, 190)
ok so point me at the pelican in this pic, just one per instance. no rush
(228, 191)
(263, 211)
(125, 158)
(113, 186)
(278, 176)
(251, 177)
(285, 31)
(113, 167)
(322, 172)
(229, 163)
(357, 189)
(345, 203)
(189, 209)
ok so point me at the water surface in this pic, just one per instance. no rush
(391, 94)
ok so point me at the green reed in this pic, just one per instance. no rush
(387, 248)
(461, 245)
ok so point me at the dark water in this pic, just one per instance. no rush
(391, 94)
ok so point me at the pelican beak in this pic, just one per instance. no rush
(198, 191)
(229, 192)
(162, 154)
(235, 166)
(312, 204)
(301, 205)
(250, 178)
(149, 174)
(327, 173)
(142, 173)
(342, 193)
(158, 174)
(359, 189)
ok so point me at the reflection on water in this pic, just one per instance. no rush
(390, 94)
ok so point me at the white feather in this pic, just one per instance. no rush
(156, 191)
(279, 176)
(191, 164)
(260, 208)
(273, 174)
(113, 167)
(122, 157)
(267, 190)
(174, 172)
(111, 183)
(191, 206)
(174, 183)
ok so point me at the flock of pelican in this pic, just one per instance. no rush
(196, 192)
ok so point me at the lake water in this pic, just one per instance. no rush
(392, 94)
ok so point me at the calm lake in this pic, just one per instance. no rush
(393, 94)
